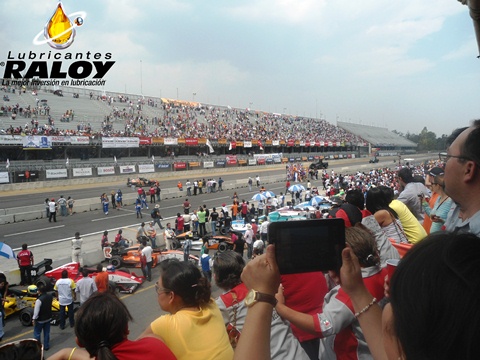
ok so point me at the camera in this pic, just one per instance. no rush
(308, 245)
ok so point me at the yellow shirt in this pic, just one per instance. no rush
(412, 227)
(198, 335)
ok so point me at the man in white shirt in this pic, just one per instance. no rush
(264, 230)
(249, 240)
(77, 243)
(168, 236)
(52, 208)
(85, 287)
(147, 251)
(65, 289)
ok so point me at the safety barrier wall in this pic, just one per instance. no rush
(18, 214)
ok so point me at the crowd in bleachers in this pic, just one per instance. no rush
(178, 121)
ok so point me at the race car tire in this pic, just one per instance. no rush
(222, 247)
(223, 231)
(26, 316)
(45, 281)
(116, 261)
(176, 245)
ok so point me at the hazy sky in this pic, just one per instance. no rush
(402, 65)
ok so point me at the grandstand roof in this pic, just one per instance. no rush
(377, 136)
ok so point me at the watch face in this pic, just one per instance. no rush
(250, 298)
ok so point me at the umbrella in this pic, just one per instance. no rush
(259, 197)
(295, 188)
(316, 200)
(269, 193)
(6, 251)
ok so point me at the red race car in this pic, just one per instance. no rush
(122, 281)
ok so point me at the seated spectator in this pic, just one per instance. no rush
(305, 292)
(101, 328)
(412, 193)
(438, 214)
(227, 268)
(378, 204)
(337, 323)
(412, 325)
(352, 210)
(412, 227)
(194, 328)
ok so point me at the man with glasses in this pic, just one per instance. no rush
(462, 179)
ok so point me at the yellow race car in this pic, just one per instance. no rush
(23, 302)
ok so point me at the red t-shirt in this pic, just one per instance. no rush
(255, 229)
(25, 258)
(147, 348)
(244, 208)
(180, 223)
(304, 292)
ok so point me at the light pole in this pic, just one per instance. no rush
(141, 78)
(285, 111)
(193, 95)
(177, 93)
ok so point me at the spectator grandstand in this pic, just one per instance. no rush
(83, 112)
(378, 137)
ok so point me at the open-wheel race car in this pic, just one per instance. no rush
(217, 242)
(120, 280)
(141, 181)
(23, 302)
(120, 256)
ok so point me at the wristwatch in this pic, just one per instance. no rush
(254, 296)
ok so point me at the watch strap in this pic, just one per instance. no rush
(262, 297)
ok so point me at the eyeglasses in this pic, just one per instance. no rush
(161, 290)
(444, 156)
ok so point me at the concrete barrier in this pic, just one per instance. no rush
(18, 214)
(7, 219)
(31, 215)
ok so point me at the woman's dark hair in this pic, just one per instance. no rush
(363, 244)
(378, 198)
(435, 297)
(227, 269)
(100, 323)
(186, 281)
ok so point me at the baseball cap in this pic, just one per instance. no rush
(157, 206)
(436, 171)
(224, 204)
